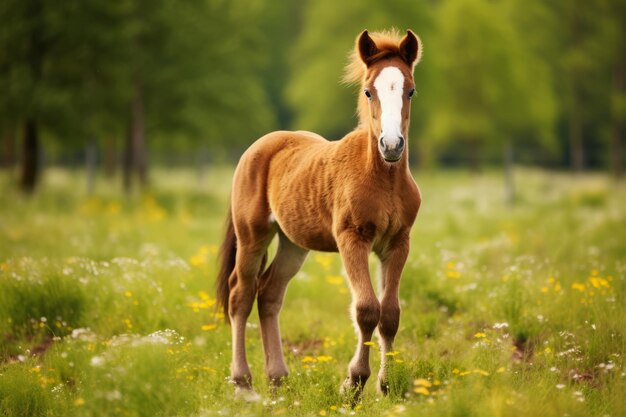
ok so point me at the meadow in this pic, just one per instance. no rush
(107, 304)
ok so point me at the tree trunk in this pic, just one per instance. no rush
(577, 153)
(127, 161)
(30, 157)
(475, 156)
(138, 132)
(110, 157)
(90, 165)
(617, 136)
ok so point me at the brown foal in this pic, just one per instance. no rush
(354, 196)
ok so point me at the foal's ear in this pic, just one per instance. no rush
(411, 48)
(367, 47)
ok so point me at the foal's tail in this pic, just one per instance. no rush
(227, 256)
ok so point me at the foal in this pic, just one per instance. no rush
(354, 196)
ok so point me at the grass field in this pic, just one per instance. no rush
(107, 304)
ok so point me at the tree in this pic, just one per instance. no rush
(492, 90)
(581, 77)
(55, 71)
(79, 71)
(194, 73)
(616, 14)
(24, 51)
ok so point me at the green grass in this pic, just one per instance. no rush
(107, 304)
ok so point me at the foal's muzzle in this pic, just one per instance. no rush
(391, 149)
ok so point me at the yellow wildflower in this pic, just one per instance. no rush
(480, 372)
(324, 260)
(422, 382)
(334, 279)
(598, 282)
(454, 274)
(421, 390)
(207, 327)
(113, 208)
(197, 260)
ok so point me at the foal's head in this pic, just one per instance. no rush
(384, 64)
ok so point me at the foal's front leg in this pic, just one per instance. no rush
(392, 261)
(272, 286)
(365, 309)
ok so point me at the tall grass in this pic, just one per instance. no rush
(107, 304)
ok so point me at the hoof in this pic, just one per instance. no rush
(351, 391)
(382, 386)
(247, 395)
(278, 379)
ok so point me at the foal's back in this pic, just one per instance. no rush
(307, 185)
(286, 176)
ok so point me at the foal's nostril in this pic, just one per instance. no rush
(382, 144)
(401, 143)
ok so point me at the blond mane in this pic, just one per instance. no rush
(387, 41)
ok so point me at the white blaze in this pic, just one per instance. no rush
(390, 86)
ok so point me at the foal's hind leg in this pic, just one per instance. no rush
(272, 286)
(242, 293)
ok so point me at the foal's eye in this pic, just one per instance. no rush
(368, 94)
(411, 92)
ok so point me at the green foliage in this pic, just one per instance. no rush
(486, 78)
(21, 394)
(72, 67)
(40, 304)
(545, 78)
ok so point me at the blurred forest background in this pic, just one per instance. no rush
(125, 85)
